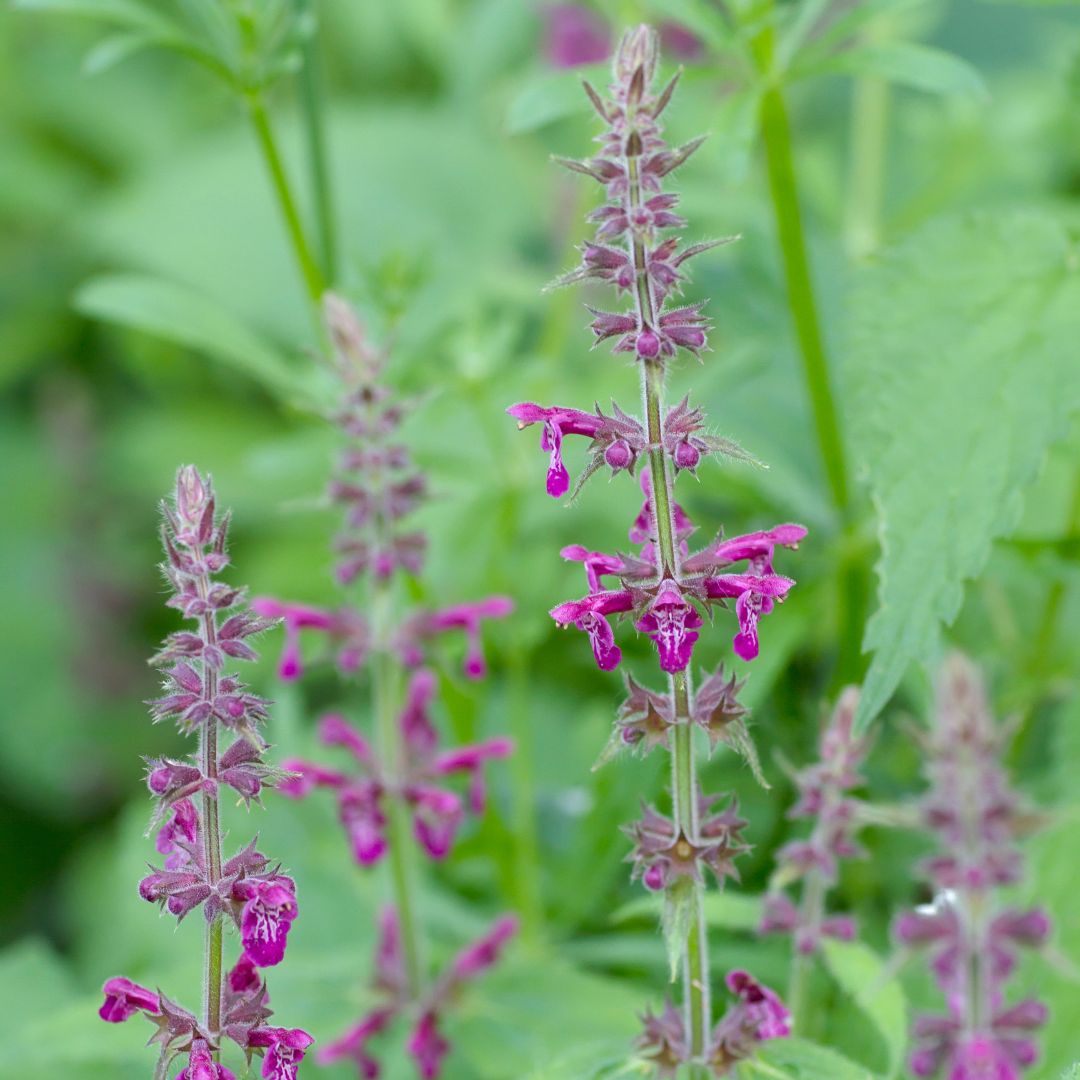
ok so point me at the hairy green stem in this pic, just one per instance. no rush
(311, 103)
(527, 892)
(385, 694)
(314, 282)
(211, 827)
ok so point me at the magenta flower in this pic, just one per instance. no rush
(269, 911)
(616, 440)
(123, 999)
(437, 812)
(465, 617)
(350, 633)
(285, 1048)
(426, 1044)
(667, 609)
(762, 1007)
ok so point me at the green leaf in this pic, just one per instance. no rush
(907, 63)
(123, 12)
(676, 919)
(962, 370)
(187, 317)
(861, 973)
(549, 97)
(797, 1059)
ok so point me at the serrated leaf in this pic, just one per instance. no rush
(861, 973)
(797, 1059)
(185, 316)
(962, 369)
(906, 63)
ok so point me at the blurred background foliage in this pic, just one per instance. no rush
(153, 314)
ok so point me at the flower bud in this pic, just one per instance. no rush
(654, 878)
(648, 345)
(619, 455)
(687, 456)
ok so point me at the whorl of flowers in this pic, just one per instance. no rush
(426, 1044)
(824, 798)
(665, 588)
(399, 778)
(973, 940)
(377, 486)
(245, 890)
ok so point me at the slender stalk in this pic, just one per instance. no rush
(385, 701)
(866, 163)
(695, 963)
(314, 281)
(527, 891)
(211, 827)
(311, 103)
(783, 190)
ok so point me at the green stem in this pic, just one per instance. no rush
(695, 953)
(311, 102)
(309, 268)
(385, 700)
(776, 135)
(527, 891)
(211, 827)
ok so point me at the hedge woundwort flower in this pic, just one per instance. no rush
(824, 799)
(664, 587)
(400, 780)
(244, 890)
(972, 938)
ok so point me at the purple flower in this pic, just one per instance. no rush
(437, 812)
(427, 1046)
(285, 1049)
(353, 1044)
(484, 953)
(557, 423)
(468, 617)
(178, 833)
(201, 1065)
(294, 617)
(574, 35)
(426, 1043)
(672, 623)
(123, 999)
(761, 1006)
(977, 820)
(269, 910)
